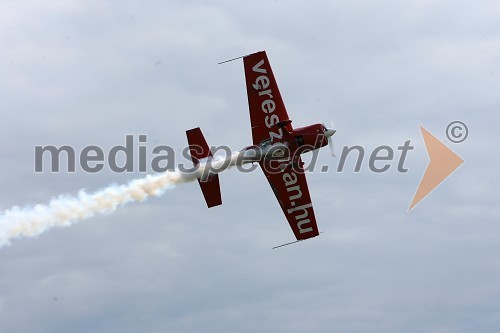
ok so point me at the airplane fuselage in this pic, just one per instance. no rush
(291, 145)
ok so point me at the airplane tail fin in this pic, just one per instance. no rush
(199, 149)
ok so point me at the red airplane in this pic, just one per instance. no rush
(277, 147)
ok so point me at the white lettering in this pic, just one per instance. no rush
(302, 231)
(257, 68)
(266, 92)
(303, 209)
(273, 135)
(268, 106)
(293, 189)
(271, 120)
(262, 82)
(304, 214)
(296, 196)
(289, 179)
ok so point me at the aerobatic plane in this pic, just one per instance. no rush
(277, 147)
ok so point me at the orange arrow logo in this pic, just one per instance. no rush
(442, 162)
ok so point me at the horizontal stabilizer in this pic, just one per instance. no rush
(199, 149)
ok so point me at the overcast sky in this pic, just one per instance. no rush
(90, 72)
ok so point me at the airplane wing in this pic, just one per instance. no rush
(290, 188)
(264, 99)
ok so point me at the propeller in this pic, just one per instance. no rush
(329, 133)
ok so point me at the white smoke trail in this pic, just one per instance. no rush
(66, 210)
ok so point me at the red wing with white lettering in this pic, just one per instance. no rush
(264, 99)
(290, 188)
